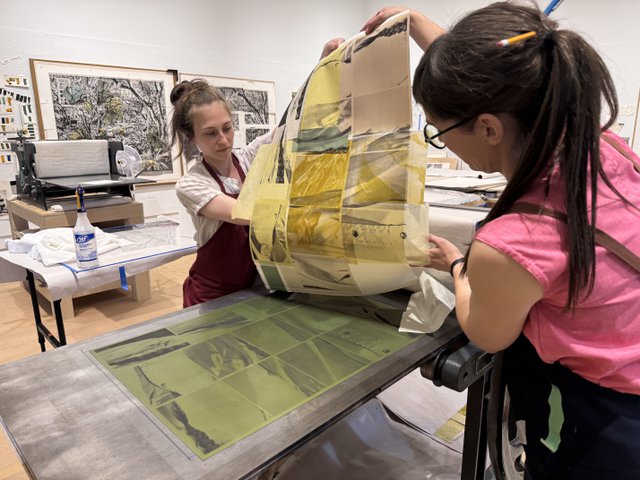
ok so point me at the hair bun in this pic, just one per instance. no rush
(181, 90)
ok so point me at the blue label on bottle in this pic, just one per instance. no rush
(82, 238)
(86, 247)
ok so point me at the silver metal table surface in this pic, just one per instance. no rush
(68, 419)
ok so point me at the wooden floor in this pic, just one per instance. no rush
(95, 315)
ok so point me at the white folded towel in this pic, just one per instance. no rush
(56, 245)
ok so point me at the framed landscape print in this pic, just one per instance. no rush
(82, 101)
(252, 104)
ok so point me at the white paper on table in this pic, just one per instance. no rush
(450, 197)
(62, 281)
(465, 182)
(100, 182)
(428, 307)
(440, 172)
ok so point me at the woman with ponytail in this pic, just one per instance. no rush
(552, 277)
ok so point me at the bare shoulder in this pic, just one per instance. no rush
(494, 274)
(502, 292)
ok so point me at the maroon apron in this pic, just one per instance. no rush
(223, 265)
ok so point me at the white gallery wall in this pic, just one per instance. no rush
(612, 27)
(278, 40)
(275, 40)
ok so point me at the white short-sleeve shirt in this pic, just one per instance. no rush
(198, 187)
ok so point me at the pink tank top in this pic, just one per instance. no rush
(601, 341)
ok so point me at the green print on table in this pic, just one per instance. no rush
(217, 378)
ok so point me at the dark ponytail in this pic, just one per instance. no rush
(186, 96)
(553, 85)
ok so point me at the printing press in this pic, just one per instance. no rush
(49, 172)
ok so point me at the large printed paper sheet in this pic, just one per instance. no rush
(336, 201)
(217, 378)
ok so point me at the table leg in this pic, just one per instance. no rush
(140, 287)
(66, 305)
(62, 338)
(17, 224)
(42, 331)
(475, 430)
(36, 309)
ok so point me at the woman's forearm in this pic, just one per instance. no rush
(423, 30)
(463, 294)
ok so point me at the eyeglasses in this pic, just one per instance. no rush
(431, 133)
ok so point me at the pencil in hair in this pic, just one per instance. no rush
(518, 38)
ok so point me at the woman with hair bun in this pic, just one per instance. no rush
(552, 275)
(209, 190)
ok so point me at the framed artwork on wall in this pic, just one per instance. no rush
(252, 103)
(83, 101)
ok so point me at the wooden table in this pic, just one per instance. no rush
(22, 213)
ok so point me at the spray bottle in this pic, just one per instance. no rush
(84, 235)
